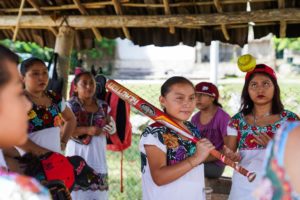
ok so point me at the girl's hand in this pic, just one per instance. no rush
(110, 128)
(234, 156)
(203, 148)
(262, 139)
(93, 130)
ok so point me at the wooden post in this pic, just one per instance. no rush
(64, 46)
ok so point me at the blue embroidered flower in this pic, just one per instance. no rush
(37, 122)
(53, 111)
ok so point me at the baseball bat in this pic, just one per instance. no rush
(161, 117)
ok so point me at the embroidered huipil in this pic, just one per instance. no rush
(44, 123)
(275, 184)
(94, 153)
(189, 186)
(17, 187)
(252, 154)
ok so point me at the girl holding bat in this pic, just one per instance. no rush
(261, 114)
(171, 164)
(89, 138)
(14, 123)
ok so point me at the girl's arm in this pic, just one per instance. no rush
(163, 174)
(69, 124)
(31, 147)
(230, 141)
(89, 130)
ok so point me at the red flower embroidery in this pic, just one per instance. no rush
(245, 127)
(47, 118)
(291, 119)
(270, 134)
(277, 126)
(286, 187)
(254, 128)
(284, 113)
(269, 128)
(250, 142)
(239, 137)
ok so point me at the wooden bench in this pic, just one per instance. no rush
(221, 187)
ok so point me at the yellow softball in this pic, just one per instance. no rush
(246, 63)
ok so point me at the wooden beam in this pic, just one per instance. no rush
(37, 8)
(83, 11)
(281, 4)
(125, 3)
(187, 4)
(168, 12)
(218, 6)
(119, 11)
(18, 20)
(102, 21)
(223, 26)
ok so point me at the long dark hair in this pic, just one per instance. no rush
(6, 55)
(247, 104)
(28, 63)
(216, 102)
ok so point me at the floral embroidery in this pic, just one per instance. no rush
(178, 149)
(58, 120)
(85, 118)
(41, 117)
(14, 186)
(170, 140)
(31, 114)
(246, 132)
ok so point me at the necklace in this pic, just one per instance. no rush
(260, 117)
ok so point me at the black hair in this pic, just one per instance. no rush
(26, 64)
(216, 102)
(77, 79)
(6, 55)
(165, 88)
(247, 104)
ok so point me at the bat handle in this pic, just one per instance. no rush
(250, 175)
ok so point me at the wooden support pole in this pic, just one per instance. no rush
(63, 46)
(282, 29)
(168, 12)
(229, 18)
(119, 11)
(18, 21)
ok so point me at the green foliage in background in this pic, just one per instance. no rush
(287, 43)
(28, 47)
(101, 49)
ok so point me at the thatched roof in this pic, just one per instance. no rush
(158, 22)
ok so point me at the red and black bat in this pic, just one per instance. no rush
(161, 117)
